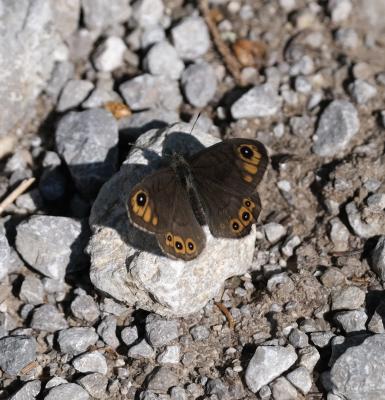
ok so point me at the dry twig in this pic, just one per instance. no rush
(226, 313)
(16, 193)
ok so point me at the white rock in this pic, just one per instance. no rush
(127, 264)
(91, 362)
(340, 9)
(274, 232)
(170, 356)
(148, 12)
(109, 55)
(301, 379)
(339, 235)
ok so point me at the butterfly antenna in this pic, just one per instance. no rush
(195, 122)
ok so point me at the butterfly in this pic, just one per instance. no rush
(216, 187)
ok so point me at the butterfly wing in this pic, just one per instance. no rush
(226, 177)
(160, 205)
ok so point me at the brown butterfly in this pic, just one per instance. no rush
(216, 187)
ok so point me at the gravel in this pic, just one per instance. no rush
(16, 353)
(28, 391)
(32, 290)
(352, 321)
(90, 362)
(148, 12)
(74, 93)
(162, 379)
(84, 307)
(95, 384)
(141, 350)
(378, 258)
(67, 391)
(301, 379)
(76, 340)
(110, 54)
(48, 318)
(350, 298)
(107, 331)
(160, 332)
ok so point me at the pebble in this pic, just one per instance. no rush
(280, 282)
(48, 318)
(298, 338)
(129, 335)
(337, 125)
(308, 357)
(378, 258)
(107, 330)
(171, 355)
(67, 391)
(347, 38)
(339, 9)
(148, 91)
(55, 381)
(259, 101)
(159, 331)
(282, 389)
(162, 59)
(178, 393)
(91, 362)
(62, 73)
(110, 54)
(162, 379)
(362, 91)
(191, 38)
(28, 391)
(301, 379)
(76, 340)
(267, 363)
(16, 352)
(30, 201)
(351, 321)
(200, 332)
(148, 12)
(265, 393)
(302, 85)
(95, 384)
(301, 126)
(84, 307)
(274, 232)
(350, 298)
(289, 245)
(87, 141)
(199, 83)
(99, 97)
(376, 323)
(218, 388)
(339, 235)
(74, 93)
(141, 350)
(5, 254)
(333, 277)
(51, 244)
(32, 290)
(151, 35)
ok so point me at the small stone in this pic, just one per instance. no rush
(74, 93)
(30, 201)
(170, 356)
(55, 381)
(32, 290)
(352, 321)
(99, 97)
(161, 379)
(91, 362)
(298, 338)
(302, 85)
(289, 245)
(347, 38)
(265, 393)
(288, 5)
(282, 389)
(280, 282)
(362, 91)
(218, 388)
(141, 350)
(129, 335)
(267, 363)
(148, 12)
(148, 91)
(110, 306)
(360, 226)
(308, 357)
(301, 379)
(339, 9)
(376, 202)
(76, 340)
(107, 330)
(333, 277)
(200, 332)
(191, 38)
(350, 298)
(84, 307)
(260, 101)
(199, 83)
(159, 331)
(378, 258)
(87, 141)
(301, 126)
(62, 73)
(151, 35)
(29, 391)
(162, 59)
(362, 70)
(338, 124)
(67, 391)
(274, 232)
(339, 235)
(95, 384)
(48, 318)
(16, 352)
(376, 323)
(178, 393)
(110, 54)
(5, 255)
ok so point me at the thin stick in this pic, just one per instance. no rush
(16, 193)
(230, 61)
(226, 313)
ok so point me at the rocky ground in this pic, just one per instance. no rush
(81, 80)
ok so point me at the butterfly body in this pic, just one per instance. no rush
(214, 187)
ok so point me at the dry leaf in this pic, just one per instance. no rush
(117, 109)
(249, 52)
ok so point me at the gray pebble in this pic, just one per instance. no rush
(16, 352)
(151, 35)
(161, 379)
(148, 12)
(302, 85)
(267, 363)
(191, 38)
(199, 83)
(302, 126)
(338, 124)
(148, 91)
(99, 97)
(378, 258)
(29, 391)
(200, 332)
(162, 59)
(110, 306)
(274, 232)
(159, 331)
(141, 350)
(347, 38)
(282, 389)
(339, 9)
(301, 379)
(55, 381)
(265, 393)
(84, 307)
(129, 335)
(280, 282)
(260, 101)
(298, 338)
(76, 340)
(352, 321)
(109, 55)
(87, 141)
(333, 277)
(62, 73)
(74, 93)
(339, 235)
(67, 391)
(350, 298)
(362, 91)
(48, 318)
(30, 201)
(52, 244)
(107, 330)
(32, 290)
(5, 254)
(376, 323)
(308, 357)
(91, 362)
(178, 393)
(321, 339)
(170, 355)
(95, 384)
(218, 388)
